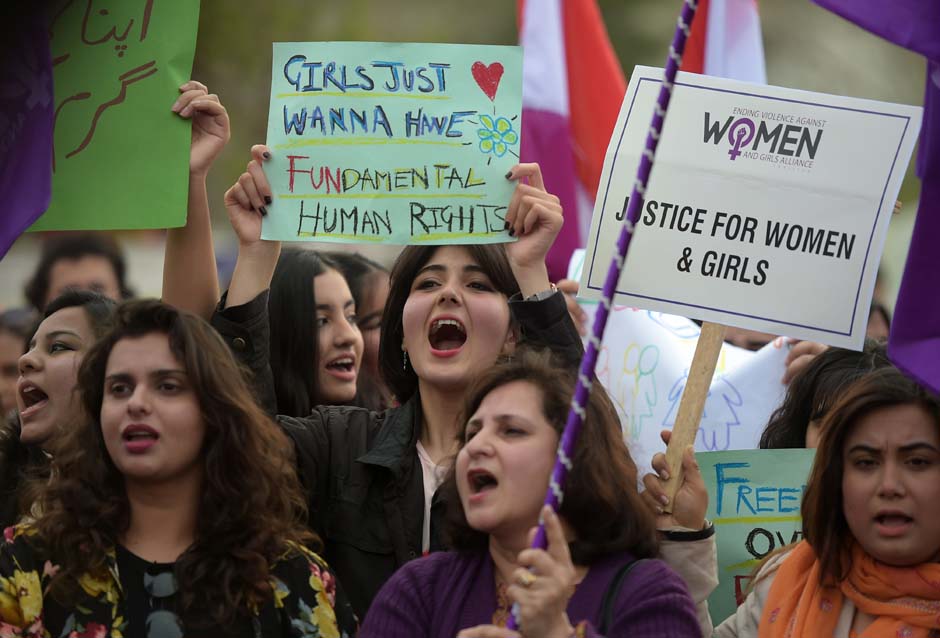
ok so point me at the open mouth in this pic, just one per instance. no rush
(481, 481)
(140, 435)
(138, 438)
(33, 398)
(447, 334)
(342, 364)
(893, 520)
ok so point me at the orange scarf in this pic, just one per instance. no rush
(905, 601)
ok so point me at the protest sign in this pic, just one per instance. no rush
(392, 143)
(754, 501)
(120, 156)
(767, 209)
(644, 363)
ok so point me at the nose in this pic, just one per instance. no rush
(346, 333)
(449, 293)
(139, 401)
(480, 444)
(29, 361)
(892, 483)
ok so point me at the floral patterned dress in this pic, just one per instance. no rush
(304, 604)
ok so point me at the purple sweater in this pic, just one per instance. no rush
(437, 596)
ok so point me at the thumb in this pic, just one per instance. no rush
(693, 473)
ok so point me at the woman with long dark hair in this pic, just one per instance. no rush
(316, 345)
(372, 478)
(173, 508)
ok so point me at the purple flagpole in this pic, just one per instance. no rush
(569, 437)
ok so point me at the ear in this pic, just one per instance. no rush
(512, 339)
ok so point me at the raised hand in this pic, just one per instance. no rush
(211, 127)
(691, 501)
(247, 199)
(535, 217)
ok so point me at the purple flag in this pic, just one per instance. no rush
(26, 120)
(914, 344)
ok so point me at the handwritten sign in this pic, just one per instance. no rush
(767, 208)
(120, 157)
(392, 143)
(644, 363)
(754, 501)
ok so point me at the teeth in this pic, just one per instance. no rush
(446, 322)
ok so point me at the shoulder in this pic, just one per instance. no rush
(652, 575)
(424, 576)
(409, 601)
(305, 586)
(432, 566)
(654, 601)
(20, 540)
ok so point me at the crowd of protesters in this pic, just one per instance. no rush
(331, 447)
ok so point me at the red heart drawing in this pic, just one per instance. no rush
(487, 77)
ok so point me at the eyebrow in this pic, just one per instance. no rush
(443, 268)
(503, 418)
(54, 334)
(156, 374)
(327, 307)
(910, 447)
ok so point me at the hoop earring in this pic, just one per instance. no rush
(404, 359)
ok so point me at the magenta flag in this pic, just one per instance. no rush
(914, 344)
(26, 119)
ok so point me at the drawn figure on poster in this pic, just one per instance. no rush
(496, 133)
(111, 25)
(679, 326)
(719, 418)
(639, 366)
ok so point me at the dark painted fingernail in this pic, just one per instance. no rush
(512, 232)
(506, 226)
(509, 175)
(263, 211)
(266, 155)
(268, 200)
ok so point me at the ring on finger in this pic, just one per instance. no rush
(526, 579)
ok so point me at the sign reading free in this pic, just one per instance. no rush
(767, 208)
(392, 143)
(754, 499)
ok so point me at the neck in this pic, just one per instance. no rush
(504, 551)
(163, 518)
(440, 410)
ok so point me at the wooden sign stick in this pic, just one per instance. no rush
(693, 403)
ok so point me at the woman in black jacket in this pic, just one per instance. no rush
(371, 477)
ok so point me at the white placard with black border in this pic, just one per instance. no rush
(767, 208)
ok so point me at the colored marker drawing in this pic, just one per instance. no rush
(719, 418)
(109, 30)
(679, 326)
(632, 387)
(496, 135)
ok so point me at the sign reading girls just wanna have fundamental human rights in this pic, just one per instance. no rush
(767, 208)
(392, 143)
